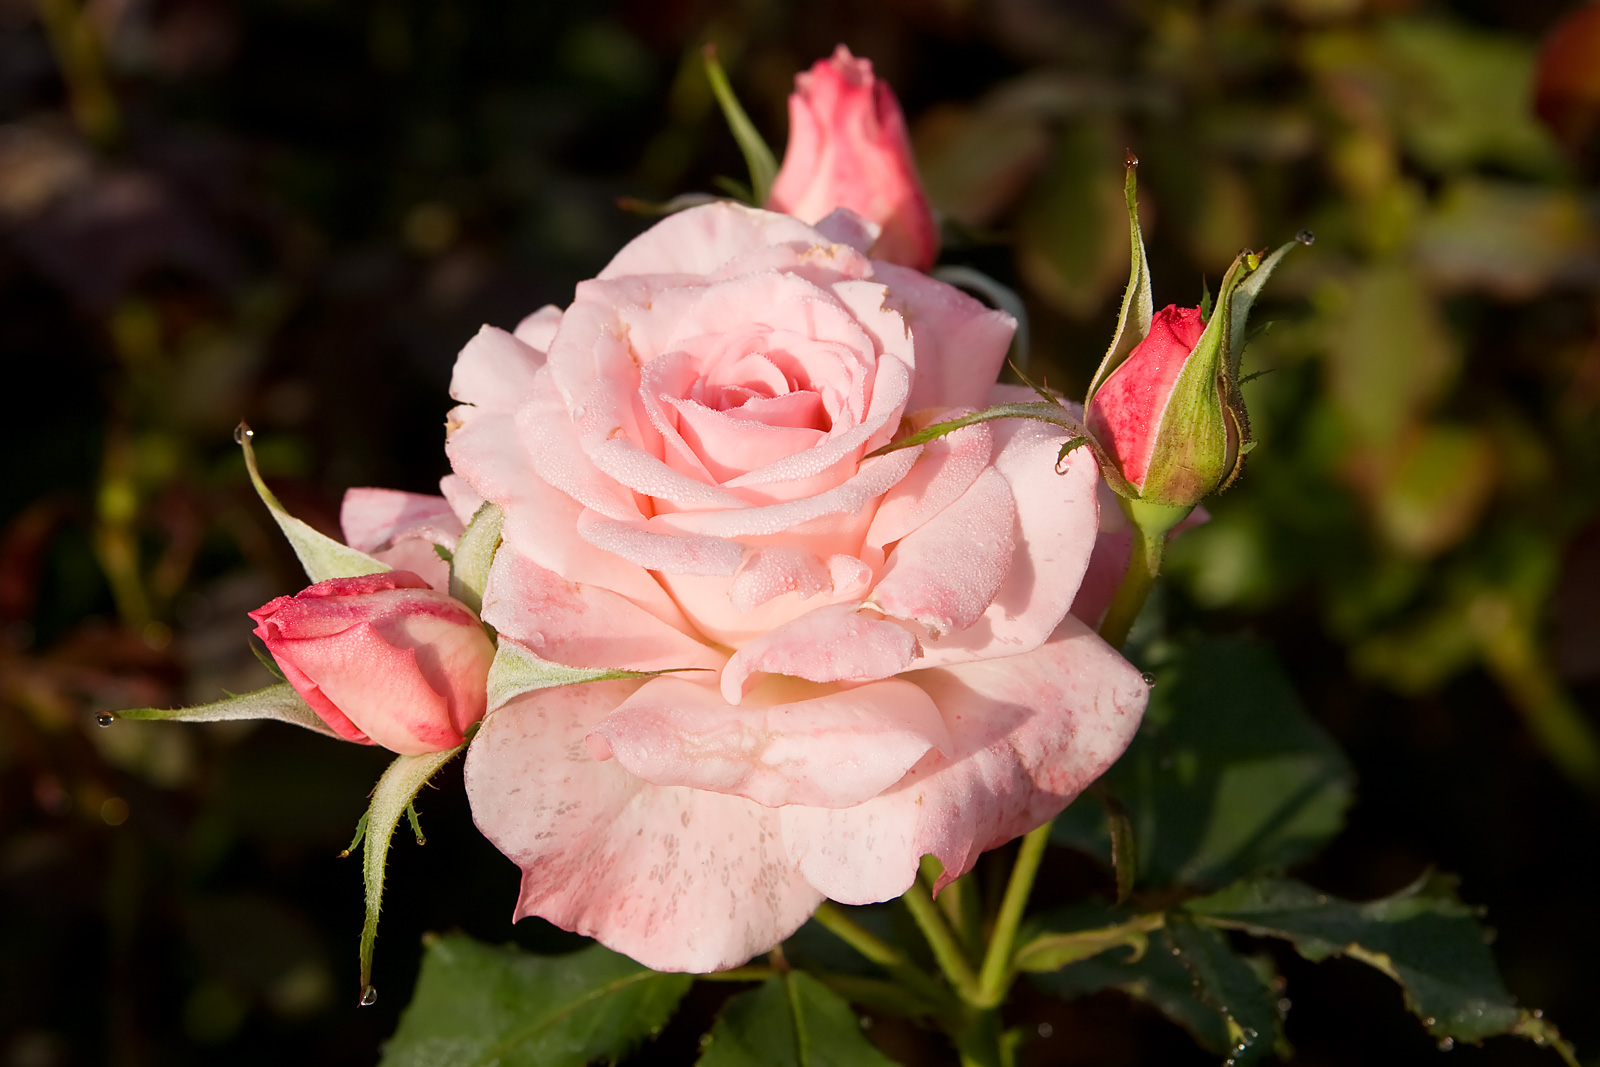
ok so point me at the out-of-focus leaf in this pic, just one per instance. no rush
(1423, 937)
(792, 1020)
(976, 161)
(1465, 97)
(1567, 89)
(1431, 489)
(1069, 233)
(477, 1005)
(757, 156)
(1228, 984)
(1228, 775)
(1390, 352)
(1512, 240)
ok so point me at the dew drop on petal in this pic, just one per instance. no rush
(369, 996)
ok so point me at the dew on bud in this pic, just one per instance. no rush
(106, 718)
(369, 996)
(1306, 237)
(1129, 158)
(242, 433)
(1148, 678)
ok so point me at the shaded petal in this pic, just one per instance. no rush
(1029, 733)
(375, 518)
(961, 344)
(946, 573)
(679, 879)
(787, 744)
(836, 643)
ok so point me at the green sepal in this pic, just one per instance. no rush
(1038, 410)
(279, 702)
(319, 554)
(391, 798)
(516, 670)
(757, 156)
(1052, 951)
(1138, 300)
(469, 567)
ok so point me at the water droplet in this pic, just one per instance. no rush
(1250, 1035)
(1149, 679)
(866, 1022)
(1129, 158)
(1284, 1004)
(369, 996)
(1046, 1030)
(654, 1030)
(1446, 1044)
(1429, 1021)
(1306, 237)
(241, 433)
(106, 718)
(1538, 1013)
(1175, 951)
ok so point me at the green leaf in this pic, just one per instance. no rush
(1039, 410)
(1156, 976)
(1051, 951)
(469, 567)
(391, 798)
(1228, 775)
(1138, 300)
(757, 156)
(319, 554)
(1232, 987)
(1423, 937)
(278, 702)
(516, 670)
(476, 1005)
(792, 1020)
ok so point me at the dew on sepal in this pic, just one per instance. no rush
(1306, 237)
(106, 718)
(369, 996)
(242, 433)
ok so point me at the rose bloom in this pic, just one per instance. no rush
(848, 148)
(382, 659)
(889, 666)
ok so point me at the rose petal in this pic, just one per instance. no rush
(548, 438)
(948, 466)
(836, 643)
(786, 744)
(961, 345)
(847, 228)
(679, 879)
(701, 239)
(374, 518)
(539, 329)
(773, 570)
(582, 625)
(669, 553)
(1029, 732)
(463, 499)
(495, 370)
(1056, 521)
(945, 573)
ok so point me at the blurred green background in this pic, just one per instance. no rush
(296, 211)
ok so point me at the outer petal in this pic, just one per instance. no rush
(1030, 732)
(1056, 522)
(701, 239)
(679, 879)
(495, 370)
(946, 573)
(790, 743)
(375, 518)
(539, 329)
(961, 344)
(581, 625)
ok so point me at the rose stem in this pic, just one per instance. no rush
(943, 942)
(995, 977)
(834, 919)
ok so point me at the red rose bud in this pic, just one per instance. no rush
(848, 149)
(1165, 418)
(382, 658)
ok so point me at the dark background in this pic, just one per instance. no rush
(297, 211)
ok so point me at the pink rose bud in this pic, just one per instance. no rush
(1165, 416)
(848, 149)
(382, 658)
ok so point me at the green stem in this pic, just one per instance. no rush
(981, 1043)
(995, 978)
(1143, 566)
(833, 918)
(946, 950)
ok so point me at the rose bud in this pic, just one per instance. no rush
(1167, 418)
(848, 148)
(382, 658)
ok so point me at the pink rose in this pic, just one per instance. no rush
(382, 658)
(892, 670)
(848, 148)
